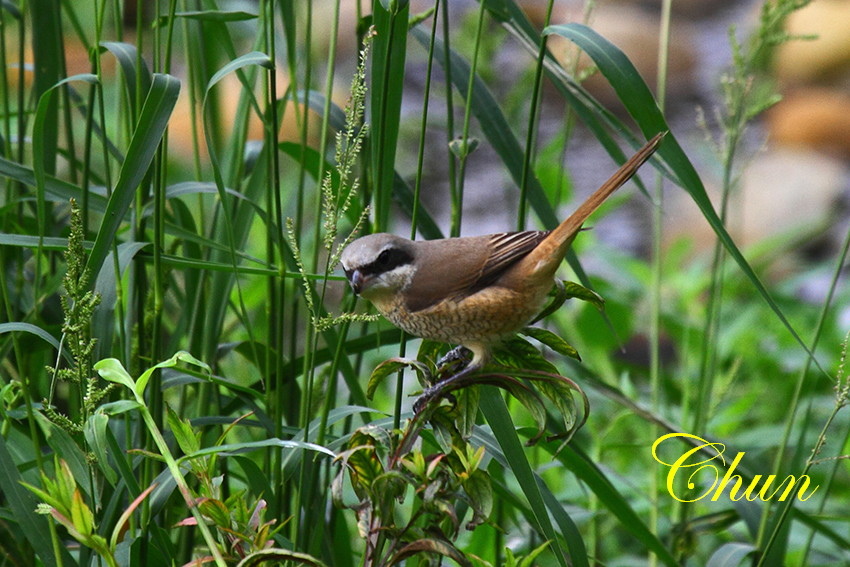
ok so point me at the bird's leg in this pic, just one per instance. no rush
(436, 391)
(457, 354)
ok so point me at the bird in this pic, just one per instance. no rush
(472, 291)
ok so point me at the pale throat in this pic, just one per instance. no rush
(385, 294)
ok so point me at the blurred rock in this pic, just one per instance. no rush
(536, 9)
(636, 33)
(229, 91)
(76, 60)
(817, 118)
(825, 58)
(781, 192)
(688, 9)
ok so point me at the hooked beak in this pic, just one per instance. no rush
(356, 279)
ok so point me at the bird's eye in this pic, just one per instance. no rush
(384, 257)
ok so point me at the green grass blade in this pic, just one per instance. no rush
(37, 331)
(44, 158)
(587, 471)
(54, 189)
(219, 16)
(23, 503)
(27, 241)
(128, 59)
(493, 124)
(638, 100)
(731, 554)
(316, 101)
(594, 115)
(389, 51)
(237, 217)
(67, 449)
(107, 286)
(153, 120)
(494, 409)
(49, 63)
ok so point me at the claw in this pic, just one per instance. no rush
(437, 391)
(457, 354)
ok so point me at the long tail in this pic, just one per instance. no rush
(566, 231)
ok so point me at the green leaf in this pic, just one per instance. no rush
(10, 7)
(522, 393)
(364, 467)
(390, 484)
(37, 331)
(589, 473)
(247, 446)
(278, 556)
(153, 120)
(494, 409)
(211, 16)
(578, 291)
(66, 448)
(54, 189)
(316, 101)
(392, 366)
(107, 285)
(252, 58)
(216, 511)
(112, 370)
(559, 390)
(81, 516)
(44, 139)
(638, 100)
(439, 546)
(529, 560)
(237, 217)
(95, 433)
(65, 486)
(552, 341)
(177, 358)
(387, 86)
(182, 430)
(47, 53)
(480, 493)
(133, 67)
(29, 241)
(119, 407)
(731, 554)
(518, 353)
(43, 495)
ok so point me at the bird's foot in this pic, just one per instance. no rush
(459, 356)
(442, 389)
(428, 395)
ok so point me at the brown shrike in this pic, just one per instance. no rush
(475, 290)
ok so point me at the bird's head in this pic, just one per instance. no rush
(379, 265)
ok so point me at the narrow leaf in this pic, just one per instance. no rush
(392, 366)
(494, 409)
(22, 505)
(731, 554)
(638, 100)
(153, 120)
(37, 331)
(552, 341)
(133, 67)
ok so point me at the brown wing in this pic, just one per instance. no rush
(455, 268)
(506, 249)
